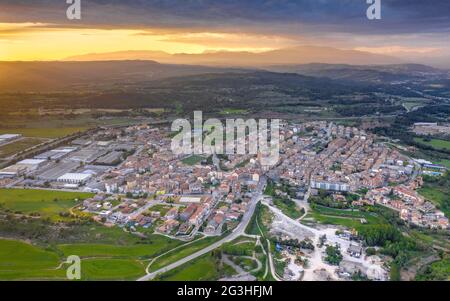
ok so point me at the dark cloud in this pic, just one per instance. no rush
(271, 16)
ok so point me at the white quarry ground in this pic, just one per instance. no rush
(317, 268)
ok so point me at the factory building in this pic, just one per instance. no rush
(21, 168)
(8, 137)
(74, 178)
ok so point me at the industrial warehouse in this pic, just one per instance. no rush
(82, 161)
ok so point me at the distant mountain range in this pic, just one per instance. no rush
(288, 56)
(103, 75)
(130, 55)
(362, 73)
(47, 76)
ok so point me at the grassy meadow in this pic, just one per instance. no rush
(45, 203)
(438, 144)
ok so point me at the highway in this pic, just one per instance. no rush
(238, 231)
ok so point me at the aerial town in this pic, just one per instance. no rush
(142, 187)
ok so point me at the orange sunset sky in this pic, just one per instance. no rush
(39, 30)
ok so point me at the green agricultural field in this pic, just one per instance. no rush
(22, 261)
(429, 238)
(111, 269)
(346, 218)
(13, 148)
(246, 263)
(443, 162)
(438, 144)
(230, 111)
(340, 212)
(439, 270)
(16, 254)
(51, 132)
(33, 275)
(201, 269)
(413, 104)
(437, 191)
(193, 160)
(260, 220)
(47, 204)
(334, 220)
(433, 194)
(239, 248)
(94, 233)
(157, 244)
(288, 207)
(162, 209)
(182, 252)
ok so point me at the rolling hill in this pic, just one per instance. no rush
(54, 76)
(363, 73)
(294, 55)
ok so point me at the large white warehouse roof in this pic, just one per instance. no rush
(74, 177)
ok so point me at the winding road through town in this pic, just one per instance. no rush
(238, 231)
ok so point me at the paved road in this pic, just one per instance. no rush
(272, 265)
(216, 162)
(330, 127)
(416, 172)
(239, 270)
(238, 231)
(143, 209)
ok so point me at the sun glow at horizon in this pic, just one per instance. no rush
(38, 41)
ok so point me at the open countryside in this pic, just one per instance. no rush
(48, 204)
(356, 100)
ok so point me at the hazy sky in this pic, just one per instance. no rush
(39, 29)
